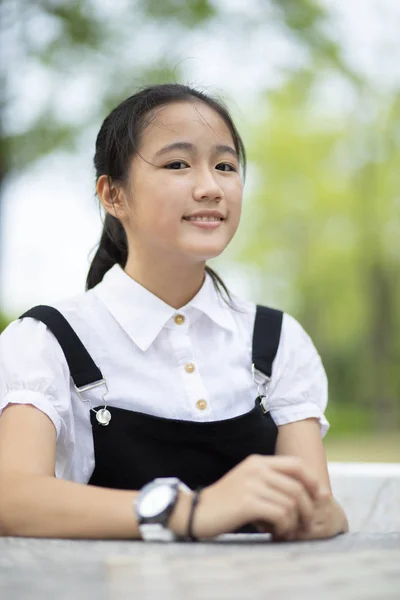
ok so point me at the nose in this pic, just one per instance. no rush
(207, 188)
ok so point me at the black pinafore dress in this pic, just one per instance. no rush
(135, 447)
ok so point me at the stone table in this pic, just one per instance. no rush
(354, 566)
(361, 565)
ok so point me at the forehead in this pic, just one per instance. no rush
(191, 121)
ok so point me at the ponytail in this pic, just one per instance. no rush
(113, 249)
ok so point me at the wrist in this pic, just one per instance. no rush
(179, 519)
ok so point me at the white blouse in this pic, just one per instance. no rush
(192, 364)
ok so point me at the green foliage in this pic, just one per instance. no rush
(4, 321)
(22, 149)
(189, 14)
(346, 420)
(323, 230)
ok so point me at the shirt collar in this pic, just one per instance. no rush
(143, 315)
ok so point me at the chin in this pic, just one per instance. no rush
(203, 254)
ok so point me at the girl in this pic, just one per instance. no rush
(144, 386)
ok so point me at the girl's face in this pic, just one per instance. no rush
(186, 165)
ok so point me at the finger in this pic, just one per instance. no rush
(294, 467)
(287, 537)
(288, 487)
(277, 517)
(287, 502)
(288, 524)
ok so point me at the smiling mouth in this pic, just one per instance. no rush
(206, 223)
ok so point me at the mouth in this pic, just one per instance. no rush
(204, 219)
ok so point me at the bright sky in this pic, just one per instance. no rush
(51, 216)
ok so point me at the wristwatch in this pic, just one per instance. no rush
(155, 504)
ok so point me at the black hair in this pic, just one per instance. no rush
(117, 141)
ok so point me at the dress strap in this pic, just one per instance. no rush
(82, 367)
(266, 336)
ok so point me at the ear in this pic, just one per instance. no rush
(112, 197)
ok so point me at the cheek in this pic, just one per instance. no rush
(234, 194)
(152, 201)
(158, 215)
(169, 200)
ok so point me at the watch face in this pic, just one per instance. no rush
(156, 500)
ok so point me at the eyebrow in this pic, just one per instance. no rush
(218, 149)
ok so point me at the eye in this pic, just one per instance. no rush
(176, 165)
(230, 167)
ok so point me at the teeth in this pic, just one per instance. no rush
(203, 218)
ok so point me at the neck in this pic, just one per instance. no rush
(176, 284)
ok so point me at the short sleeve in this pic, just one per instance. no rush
(299, 387)
(33, 370)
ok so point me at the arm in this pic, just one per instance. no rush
(303, 439)
(33, 503)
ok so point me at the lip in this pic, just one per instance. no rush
(205, 224)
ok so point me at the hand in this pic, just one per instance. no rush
(329, 520)
(277, 491)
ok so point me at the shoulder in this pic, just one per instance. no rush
(296, 350)
(294, 337)
(78, 305)
(32, 335)
(30, 354)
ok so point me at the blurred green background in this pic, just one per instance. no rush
(320, 232)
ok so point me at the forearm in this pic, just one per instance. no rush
(42, 506)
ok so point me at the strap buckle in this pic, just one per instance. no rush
(90, 386)
(262, 381)
(103, 415)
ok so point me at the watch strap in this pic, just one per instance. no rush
(156, 532)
